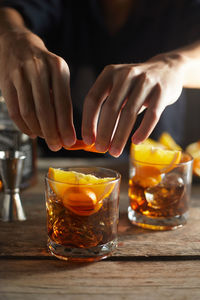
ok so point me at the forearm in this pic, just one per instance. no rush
(11, 20)
(189, 62)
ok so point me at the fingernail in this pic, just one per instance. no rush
(135, 141)
(88, 140)
(100, 148)
(55, 147)
(114, 152)
(69, 142)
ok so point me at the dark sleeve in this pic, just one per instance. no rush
(40, 16)
(190, 19)
(185, 22)
(180, 24)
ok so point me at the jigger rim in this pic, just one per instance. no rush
(12, 154)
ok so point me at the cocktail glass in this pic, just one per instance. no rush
(159, 194)
(82, 217)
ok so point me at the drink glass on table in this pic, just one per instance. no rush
(82, 212)
(159, 187)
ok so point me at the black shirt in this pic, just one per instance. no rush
(76, 31)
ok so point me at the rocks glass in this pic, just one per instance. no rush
(160, 201)
(82, 218)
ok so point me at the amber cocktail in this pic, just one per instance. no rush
(159, 187)
(82, 212)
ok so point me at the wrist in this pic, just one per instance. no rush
(173, 59)
(190, 64)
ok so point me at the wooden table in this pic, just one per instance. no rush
(147, 265)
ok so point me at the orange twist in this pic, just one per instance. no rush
(80, 145)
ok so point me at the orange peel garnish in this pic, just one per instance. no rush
(167, 141)
(83, 194)
(81, 201)
(80, 145)
(147, 176)
(151, 162)
(162, 159)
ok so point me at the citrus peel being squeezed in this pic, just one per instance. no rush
(80, 145)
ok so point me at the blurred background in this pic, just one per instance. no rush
(192, 122)
(91, 45)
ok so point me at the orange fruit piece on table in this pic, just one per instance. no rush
(196, 166)
(151, 162)
(81, 193)
(80, 145)
(167, 141)
(194, 150)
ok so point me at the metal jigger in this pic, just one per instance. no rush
(11, 166)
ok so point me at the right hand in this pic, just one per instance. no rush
(35, 85)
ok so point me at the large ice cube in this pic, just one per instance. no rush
(169, 191)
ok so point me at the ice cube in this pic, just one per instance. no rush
(169, 191)
(172, 180)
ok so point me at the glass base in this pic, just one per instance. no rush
(82, 254)
(157, 223)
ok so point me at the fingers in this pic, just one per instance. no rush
(38, 76)
(112, 106)
(39, 97)
(10, 95)
(62, 100)
(38, 100)
(122, 92)
(129, 113)
(126, 97)
(26, 104)
(92, 105)
(151, 117)
(110, 114)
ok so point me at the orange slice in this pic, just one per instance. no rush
(80, 145)
(167, 141)
(150, 162)
(162, 159)
(154, 143)
(196, 166)
(81, 193)
(194, 150)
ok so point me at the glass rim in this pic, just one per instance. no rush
(117, 177)
(177, 165)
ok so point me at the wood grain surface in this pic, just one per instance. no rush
(50, 280)
(147, 264)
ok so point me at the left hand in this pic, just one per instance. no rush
(121, 92)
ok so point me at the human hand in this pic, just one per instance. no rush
(121, 92)
(35, 85)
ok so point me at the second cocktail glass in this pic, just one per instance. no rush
(159, 194)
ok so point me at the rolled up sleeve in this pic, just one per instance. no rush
(40, 16)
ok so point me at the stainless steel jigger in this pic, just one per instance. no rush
(11, 166)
